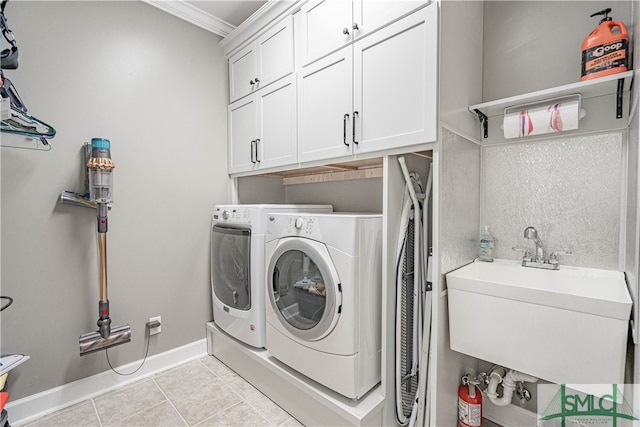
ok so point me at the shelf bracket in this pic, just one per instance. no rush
(619, 99)
(484, 120)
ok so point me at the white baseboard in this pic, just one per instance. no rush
(30, 408)
(509, 416)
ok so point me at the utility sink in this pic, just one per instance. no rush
(567, 326)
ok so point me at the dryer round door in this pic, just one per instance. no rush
(304, 288)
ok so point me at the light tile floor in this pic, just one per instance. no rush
(203, 393)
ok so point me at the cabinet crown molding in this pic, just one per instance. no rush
(257, 23)
(193, 15)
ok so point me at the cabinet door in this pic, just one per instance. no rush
(242, 72)
(370, 15)
(242, 135)
(275, 52)
(277, 144)
(324, 107)
(323, 25)
(395, 89)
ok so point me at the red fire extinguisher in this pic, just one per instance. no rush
(469, 404)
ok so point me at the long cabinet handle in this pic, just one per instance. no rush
(252, 155)
(257, 142)
(344, 130)
(355, 114)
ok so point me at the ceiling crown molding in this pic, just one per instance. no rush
(193, 15)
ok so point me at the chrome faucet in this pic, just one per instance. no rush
(538, 259)
(532, 234)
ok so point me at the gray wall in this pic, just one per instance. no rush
(156, 87)
(360, 195)
(363, 195)
(534, 45)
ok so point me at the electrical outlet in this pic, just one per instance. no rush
(153, 330)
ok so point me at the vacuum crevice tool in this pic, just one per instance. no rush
(100, 183)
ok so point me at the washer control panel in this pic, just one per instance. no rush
(232, 214)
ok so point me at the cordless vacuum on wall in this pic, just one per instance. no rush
(100, 167)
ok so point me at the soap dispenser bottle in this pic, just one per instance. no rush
(486, 246)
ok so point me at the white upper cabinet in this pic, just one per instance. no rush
(328, 25)
(325, 107)
(241, 125)
(395, 84)
(262, 128)
(267, 59)
(277, 143)
(364, 80)
(370, 15)
(377, 94)
(242, 71)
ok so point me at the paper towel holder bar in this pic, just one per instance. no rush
(543, 116)
(546, 101)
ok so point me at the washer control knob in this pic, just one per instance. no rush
(225, 215)
(299, 223)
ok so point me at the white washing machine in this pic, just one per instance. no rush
(324, 279)
(237, 267)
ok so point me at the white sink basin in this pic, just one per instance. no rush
(565, 326)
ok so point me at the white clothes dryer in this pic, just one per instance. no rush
(324, 281)
(237, 267)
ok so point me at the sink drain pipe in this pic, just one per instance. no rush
(508, 380)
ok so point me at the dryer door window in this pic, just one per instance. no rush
(305, 289)
(230, 266)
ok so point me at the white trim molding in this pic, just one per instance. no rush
(193, 15)
(30, 408)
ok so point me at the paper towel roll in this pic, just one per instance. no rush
(557, 117)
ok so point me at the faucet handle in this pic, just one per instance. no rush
(553, 257)
(526, 253)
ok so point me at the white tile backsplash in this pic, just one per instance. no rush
(569, 189)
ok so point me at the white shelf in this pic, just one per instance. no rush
(609, 86)
(587, 89)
